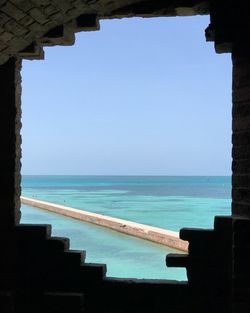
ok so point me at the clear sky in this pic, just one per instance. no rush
(139, 97)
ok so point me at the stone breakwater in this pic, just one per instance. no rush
(162, 236)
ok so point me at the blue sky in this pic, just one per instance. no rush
(139, 97)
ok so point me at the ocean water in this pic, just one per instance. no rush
(162, 201)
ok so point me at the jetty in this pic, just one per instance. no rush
(158, 235)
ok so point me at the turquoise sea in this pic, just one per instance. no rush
(170, 202)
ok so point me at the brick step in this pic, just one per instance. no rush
(57, 244)
(85, 22)
(201, 241)
(145, 296)
(59, 302)
(33, 51)
(70, 260)
(223, 224)
(198, 262)
(78, 255)
(95, 271)
(86, 277)
(59, 262)
(59, 35)
(32, 247)
(177, 260)
(197, 267)
(196, 234)
(33, 231)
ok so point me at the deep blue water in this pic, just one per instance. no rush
(162, 201)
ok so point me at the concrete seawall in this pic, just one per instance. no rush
(155, 234)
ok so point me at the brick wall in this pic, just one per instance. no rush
(25, 24)
(241, 134)
(241, 179)
(10, 124)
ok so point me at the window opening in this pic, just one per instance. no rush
(140, 110)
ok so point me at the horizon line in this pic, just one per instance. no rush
(142, 175)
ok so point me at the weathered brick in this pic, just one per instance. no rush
(241, 152)
(41, 3)
(38, 15)
(24, 5)
(241, 109)
(16, 45)
(3, 45)
(12, 11)
(241, 138)
(37, 28)
(13, 27)
(10, 78)
(241, 123)
(78, 3)
(50, 24)
(241, 74)
(57, 17)
(49, 10)
(241, 194)
(6, 36)
(4, 18)
(62, 5)
(32, 52)
(241, 181)
(29, 20)
(240, 209)
(86, 22)
(241, 94)
(241, 166)
(73, 12)
(3, 57)
(26, 20)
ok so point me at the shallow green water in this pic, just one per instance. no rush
(167, 202)
(125, 256)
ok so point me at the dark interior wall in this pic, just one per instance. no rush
(241, 133)
(241, 178)
(10, 124)
(218, 261)
(10, 152)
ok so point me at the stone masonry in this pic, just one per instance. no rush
(10, 142)
(27, 26)
(39, 273)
